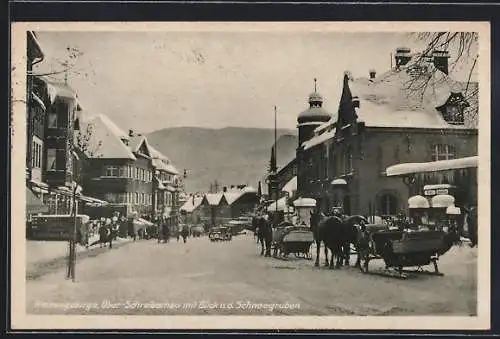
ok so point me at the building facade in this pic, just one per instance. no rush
(382, 121)
(51, 161)
(127, 172)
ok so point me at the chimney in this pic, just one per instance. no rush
(373, 73)
(402, 56)
(440, 60)
(130, 132)
(224, 189)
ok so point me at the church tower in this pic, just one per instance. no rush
(312, 117)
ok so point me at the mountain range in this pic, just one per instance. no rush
(230, 156)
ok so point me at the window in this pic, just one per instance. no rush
(143, 198)
(129, 172)
(123, 171)
(111, 171)
(111, 197)
(122, 198)
(347, 160)
(443, 152)
(388, 204)
(52, 119)
(36, 156)
(454, 114)
(56, 159)
(136, 199)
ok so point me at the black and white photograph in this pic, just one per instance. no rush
(304, 175)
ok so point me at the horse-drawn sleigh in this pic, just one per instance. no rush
(400, 249)
(288, 238)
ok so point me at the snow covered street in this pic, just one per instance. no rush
(201, 277)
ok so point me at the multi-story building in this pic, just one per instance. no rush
(414, 112)
(165, 188)
(119, 168)
(127, 172)
(35, 127)
(52, 108)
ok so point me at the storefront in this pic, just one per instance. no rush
(441, 190)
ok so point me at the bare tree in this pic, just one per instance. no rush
(64, 66)
(463, 50)
(82, 148)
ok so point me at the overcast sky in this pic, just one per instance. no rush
(149, 81)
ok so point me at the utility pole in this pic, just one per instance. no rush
(275, 174)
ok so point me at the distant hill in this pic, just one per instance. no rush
(231, 155)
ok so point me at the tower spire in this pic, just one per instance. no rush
(315, 80)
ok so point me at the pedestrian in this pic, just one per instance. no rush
(102, 237)
(110, 235)
(185, 233)
(472, 225)
(363, 243)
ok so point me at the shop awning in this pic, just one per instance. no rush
(33, 204)
(433, 166)
(92, 200)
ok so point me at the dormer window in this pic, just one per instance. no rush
(453, 109)
(454, 114)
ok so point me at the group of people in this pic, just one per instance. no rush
(107, 232)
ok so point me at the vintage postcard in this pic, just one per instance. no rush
(326, 175)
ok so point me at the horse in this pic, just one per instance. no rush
(315, 219)
(354, 234)
(264, 234)
(337, 234)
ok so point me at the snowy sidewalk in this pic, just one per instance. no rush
(46, 255)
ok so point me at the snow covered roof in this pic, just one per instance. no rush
(112, 126)
(105, 140)
(319, 138)
(290, 186)
(433, 166)
(304, 202)
(38, 101)
(234, 194)
(282, 206)
(400, 98)
(442, 201)
(136, 141)
(56, 89)
(418, 201)
(191, 204)
(160, 161)
(314, 114)
(214, 199)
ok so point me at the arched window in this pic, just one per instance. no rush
(388, 204)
